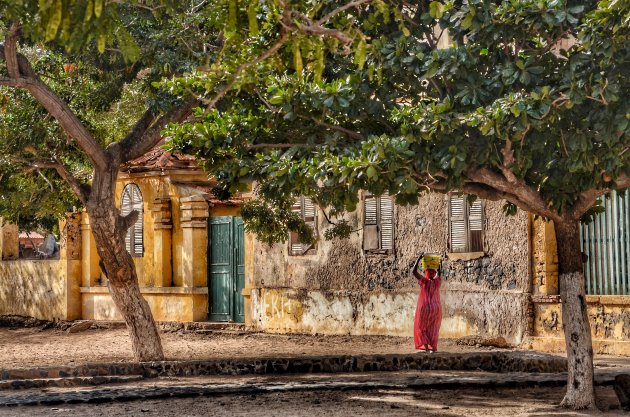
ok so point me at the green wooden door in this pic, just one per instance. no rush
(226, 269)
(239, 257)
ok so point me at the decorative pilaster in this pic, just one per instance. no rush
(545, 258)
(162, 241)
(70, 263)
(194, 249)
(91, 275)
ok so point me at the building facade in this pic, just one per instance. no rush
(196, 263)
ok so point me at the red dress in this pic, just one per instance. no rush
(428, 311)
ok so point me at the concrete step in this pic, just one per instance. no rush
(15, 384)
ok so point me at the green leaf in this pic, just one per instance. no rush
(251, 17)
(98, 8)
(467, 22)
(360, 53)
(436, 9)
(100, 42)
(371, 172)
(54, 21)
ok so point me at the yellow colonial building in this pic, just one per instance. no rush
(196, 263)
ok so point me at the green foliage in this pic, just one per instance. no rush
(107, 88)
(540, 80)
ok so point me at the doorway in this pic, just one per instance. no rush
(226, 269)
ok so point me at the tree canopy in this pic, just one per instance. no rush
(521, 101)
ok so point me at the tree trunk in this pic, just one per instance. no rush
(577, 331)
(109, 230)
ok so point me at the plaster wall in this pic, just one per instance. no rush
(609, 317)
(351, 291)
(33, 288)
(176, 304)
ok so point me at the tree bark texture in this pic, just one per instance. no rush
(109, 230)
(577, 331)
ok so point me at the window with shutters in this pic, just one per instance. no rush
(307, 210)
(465, 221)
(132, 200)
(378, 223)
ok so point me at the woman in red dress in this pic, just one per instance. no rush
(428, 310)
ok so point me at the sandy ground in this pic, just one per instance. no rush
(29, 347)
(532, 402)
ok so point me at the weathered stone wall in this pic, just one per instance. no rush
(342, 285)
(33, 288)
(609, 317)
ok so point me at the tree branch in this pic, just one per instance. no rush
(275, 146)
(349, 133)
(65, 174)
(508, 161)
(10, 53)
(587, 198)
(146, 134)
(519, 191)
(340, 9)
(210, 104)
(22, 76)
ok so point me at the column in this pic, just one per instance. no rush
(194, 256)
(162, 243)
(70, 263)
(90, 270)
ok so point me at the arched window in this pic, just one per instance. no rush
(132, 200)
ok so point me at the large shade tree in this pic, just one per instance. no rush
(80, 97)
(521, 101)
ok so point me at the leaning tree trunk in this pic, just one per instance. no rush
(577, 331)
(109, 230)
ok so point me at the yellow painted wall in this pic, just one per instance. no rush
(154, 185)
(609, 316)
(34, 288)
(183, 306)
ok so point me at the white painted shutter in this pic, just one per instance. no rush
(125, 209)
(370, 223)
(295, 247)
(475, 226)
(457, 224)
(138, 228)
(309, 213)
(306, 209)
(386, 222)
(132, 200)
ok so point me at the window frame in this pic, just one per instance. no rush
(310, 249)
(131, 199)
(378, 223)
(470, 251)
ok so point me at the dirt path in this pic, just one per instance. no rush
(28, 347)
(533, 402)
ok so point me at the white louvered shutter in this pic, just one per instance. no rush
(309, 213)
(370, 223)
(132, 200)
(475, 226)
(457, 224)
(306, 209)
(386, 220)
(295, 247)
(125, 209)
(138, 227)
